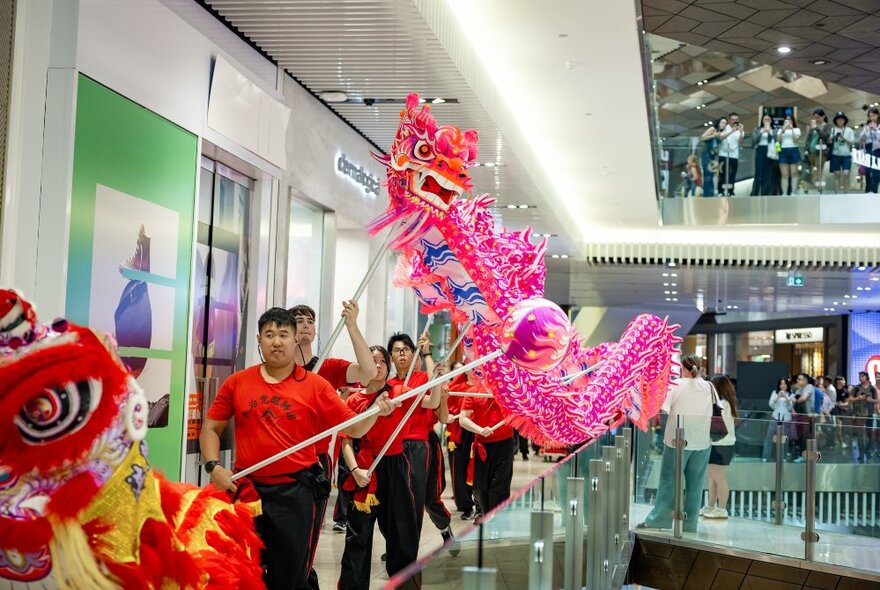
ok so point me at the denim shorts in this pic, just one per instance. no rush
(840, 163)
(790, 155)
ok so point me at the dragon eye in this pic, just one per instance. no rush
(58, 411)
(423, 151)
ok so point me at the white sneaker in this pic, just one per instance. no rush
(718, 513)
(705, 511)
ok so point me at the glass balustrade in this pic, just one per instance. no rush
(806, 489)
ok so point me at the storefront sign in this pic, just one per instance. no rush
(800, 335)
(358, 175)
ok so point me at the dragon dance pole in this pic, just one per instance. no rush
(368, 414)
(412, 365)
(416, 403)
(569, 378)
(469, 394)
(380, 255)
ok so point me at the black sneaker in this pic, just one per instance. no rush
(468, 514)
(447, 537)
(339, 527)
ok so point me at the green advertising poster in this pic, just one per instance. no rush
(131, 236)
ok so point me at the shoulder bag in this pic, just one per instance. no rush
(718, 429)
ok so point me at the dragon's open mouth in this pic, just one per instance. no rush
(436, 190)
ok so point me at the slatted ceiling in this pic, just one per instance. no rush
(385, 49)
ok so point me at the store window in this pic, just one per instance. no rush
(305, 251)
(755, 346)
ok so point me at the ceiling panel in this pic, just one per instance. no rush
(814, 29)
(385, 49)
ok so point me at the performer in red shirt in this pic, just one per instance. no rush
(277, 405)
(339, 373)
(395, 512)
(492, 450)
(421, 444)
(460, 441)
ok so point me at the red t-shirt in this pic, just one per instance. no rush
(422, 419)
(486, 412)
(333, 370)
(271, 417)
(455, 405)
(379, 433)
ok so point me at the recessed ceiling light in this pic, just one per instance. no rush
(489, 164)
(675, 298)
(512, 207)
(832, 309)
(846, 296)
(669, 299)
(783, 49)
(861, 267)
(670, 265)
(675, 292)
(665, 284)
(667, 293)
(818, 62)
(867, 288)
(523, 206)
(438, 100)
(665, 274)
(333, 96)
(860, 288)
(563, 255)
(836, 303)
(554, 256)
(875, 278)
(673, 275)
(854, 297)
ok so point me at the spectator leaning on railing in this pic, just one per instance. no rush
(728, 153)
(763, 139)
(870, 140)
(842, 139)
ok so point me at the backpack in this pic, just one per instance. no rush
(818, 400)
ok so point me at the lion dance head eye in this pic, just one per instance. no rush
(57, 411)
(423, 151)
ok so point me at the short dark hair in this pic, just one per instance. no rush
(865, 373)
(732, 115)
(401, 337)
(298, 310)
(276, 315)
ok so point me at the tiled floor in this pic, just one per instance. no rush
(331, 545)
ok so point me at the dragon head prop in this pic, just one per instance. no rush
(427, 167)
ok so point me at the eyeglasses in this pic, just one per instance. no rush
(399, 350)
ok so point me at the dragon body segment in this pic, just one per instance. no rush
(455, 258)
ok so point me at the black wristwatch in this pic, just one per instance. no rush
(424, 354)
(210, 465)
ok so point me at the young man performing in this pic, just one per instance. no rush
(422, 449)
(492, 450)
(338, 372)
(276, 405)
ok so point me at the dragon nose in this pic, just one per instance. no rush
(451, 164)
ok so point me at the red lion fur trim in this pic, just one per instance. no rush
(27, 536)
(77, 358)
(73, 496)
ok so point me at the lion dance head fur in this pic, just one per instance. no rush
(80, 506)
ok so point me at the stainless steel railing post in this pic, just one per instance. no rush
(809, 536)
(609, 510)
(541, 551)
(678, 514)
(779, 440)
(621, 445)
(574, 533)
(596, 523)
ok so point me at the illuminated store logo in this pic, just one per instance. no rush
(872, 367)
(800, 335)
(358, 175)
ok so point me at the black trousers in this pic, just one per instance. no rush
(727, 168)
(458, 464)
(396, 517)
(761, 180)
(286, 527)
(493, 475)
(427, 480)
(522, 443)
(340, 509)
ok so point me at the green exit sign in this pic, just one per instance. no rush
(795, 279)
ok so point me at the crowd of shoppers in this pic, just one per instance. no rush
(786, 159)
(835, 414)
